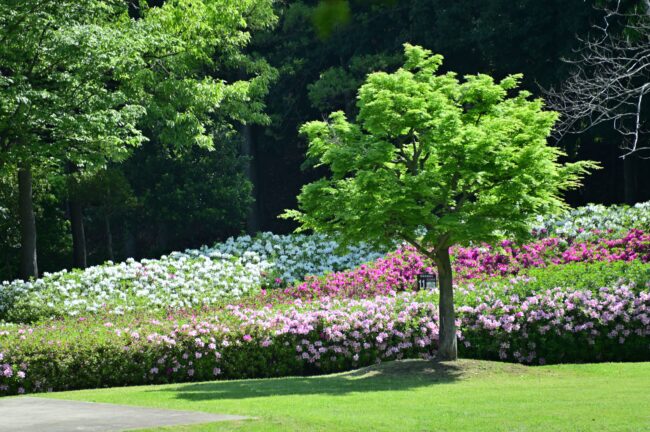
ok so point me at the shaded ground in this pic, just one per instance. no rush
(416, 395)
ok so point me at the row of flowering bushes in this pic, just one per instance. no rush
(594, 220)
(200, 277)
(185, 281)
(241, 266)
(398, 270)
(556, 325)
(237, 343)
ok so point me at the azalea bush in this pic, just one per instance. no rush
(508, 258)
(495, 322)
(398, 270)
(559, 325)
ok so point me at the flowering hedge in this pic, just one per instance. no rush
(558, 325)
(194, 278)
(595, 220)
(239, 343)
(398, 270)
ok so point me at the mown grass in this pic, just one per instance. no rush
(415, 395)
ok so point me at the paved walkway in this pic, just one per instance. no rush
(53, 415)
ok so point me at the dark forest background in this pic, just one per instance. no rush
(155, 202)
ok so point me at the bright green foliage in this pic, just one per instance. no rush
(434, 160)
(82, 82)
(57, 59)
(583, 276)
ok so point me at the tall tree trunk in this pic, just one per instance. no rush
(109, 237)
(129, 241)
(447, 348)
(629, 179)
(162, 237)
(248, 150)
(28, 257)
(78, 233)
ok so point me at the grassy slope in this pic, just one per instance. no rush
(417, 395)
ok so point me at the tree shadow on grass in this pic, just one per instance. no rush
(390, 376)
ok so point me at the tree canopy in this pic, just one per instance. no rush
(462, 160)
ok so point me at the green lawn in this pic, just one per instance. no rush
(416, 396)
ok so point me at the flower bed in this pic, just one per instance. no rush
(240, 267)
(398, 271)
(557, 325)
(194, 278)
(595, 220)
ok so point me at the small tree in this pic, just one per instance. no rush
(435, 162)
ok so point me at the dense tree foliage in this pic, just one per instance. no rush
(82, 83)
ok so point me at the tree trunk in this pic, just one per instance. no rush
(109, 237)
(162, 238)
(629, 179)
(28, 257)
(78, 233)
(447, 349)
(248, 150)
(129, 241)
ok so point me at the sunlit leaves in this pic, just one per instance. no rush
(430, 154)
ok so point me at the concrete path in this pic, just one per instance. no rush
(54, 415)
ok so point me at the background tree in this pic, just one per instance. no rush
(82, 83)
(611, 78)
(55, 61)
(608, 89)
(107, 194)
(435, 162)
(54, 239)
